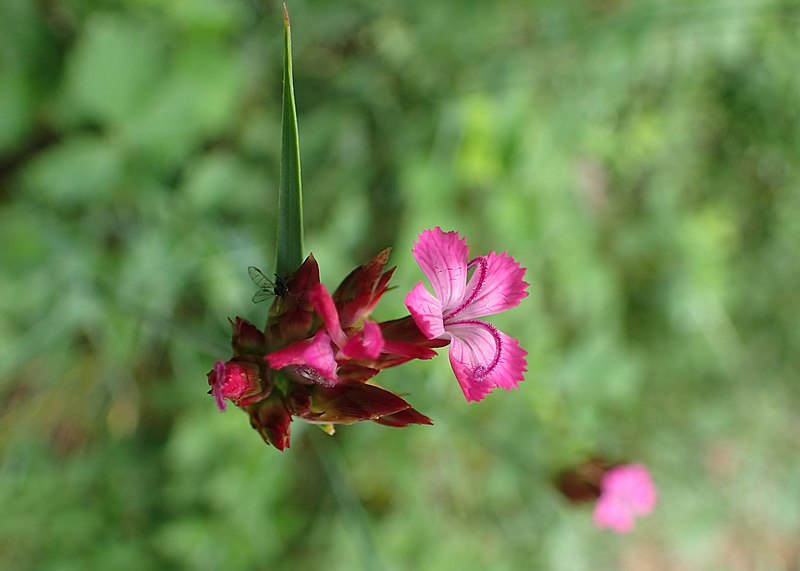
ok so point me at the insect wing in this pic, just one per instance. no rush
(261, 295)
(258, 277)
(266, 288)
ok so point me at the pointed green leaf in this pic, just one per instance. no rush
(290, 199)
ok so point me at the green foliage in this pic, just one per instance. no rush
(640, 159)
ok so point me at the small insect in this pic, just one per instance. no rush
(266, 287)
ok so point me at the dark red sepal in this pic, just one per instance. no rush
(292, 317)
(350, 402)
(247, 339)
(359, 292)
(272, 420)
(404, 418)
(405, 329)
(353, 371)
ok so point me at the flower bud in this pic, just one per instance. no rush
(272, 420)
(350, 402)
(291, 317)
(360, 291)
(247, 338)
(238, 381)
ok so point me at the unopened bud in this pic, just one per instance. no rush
(240, 382)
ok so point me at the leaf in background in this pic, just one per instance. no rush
(195, 100)
(113, 68)
(82, 169)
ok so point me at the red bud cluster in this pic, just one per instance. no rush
(316, 357)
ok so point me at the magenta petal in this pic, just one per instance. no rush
(631, 483)
(315, 353)
(484, 358)
(443, 258)
(219, 379)
(322, 302)
(613, 514)
(500, 286)
(319, 356)
(426, 311)
(373, 339)
(627, 491)
(473, 391)
(367, 344)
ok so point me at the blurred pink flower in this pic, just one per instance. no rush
(482, 357)
(627, 491)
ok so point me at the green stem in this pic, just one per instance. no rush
(353, 512)
(290, 197)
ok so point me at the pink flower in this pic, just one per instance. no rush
(627, 491)
(482, 356)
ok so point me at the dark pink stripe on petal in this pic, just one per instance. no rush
(476, 286)
(484, 358)
(503, 287)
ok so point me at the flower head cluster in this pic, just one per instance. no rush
(316, 354)
(319, 351)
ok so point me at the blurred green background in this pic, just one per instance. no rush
(641, 159)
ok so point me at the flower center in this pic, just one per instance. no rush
(480, 275)
(484, 370)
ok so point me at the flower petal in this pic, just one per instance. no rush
(216, 378)
(443, 259)
(631, 483)
(610, 513)
(366, 344)
(322, 302)
(627, 491)
(484, 358)
(426, 311)
(496, 284)
(315, 353)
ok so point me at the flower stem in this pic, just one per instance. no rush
(290, 197)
